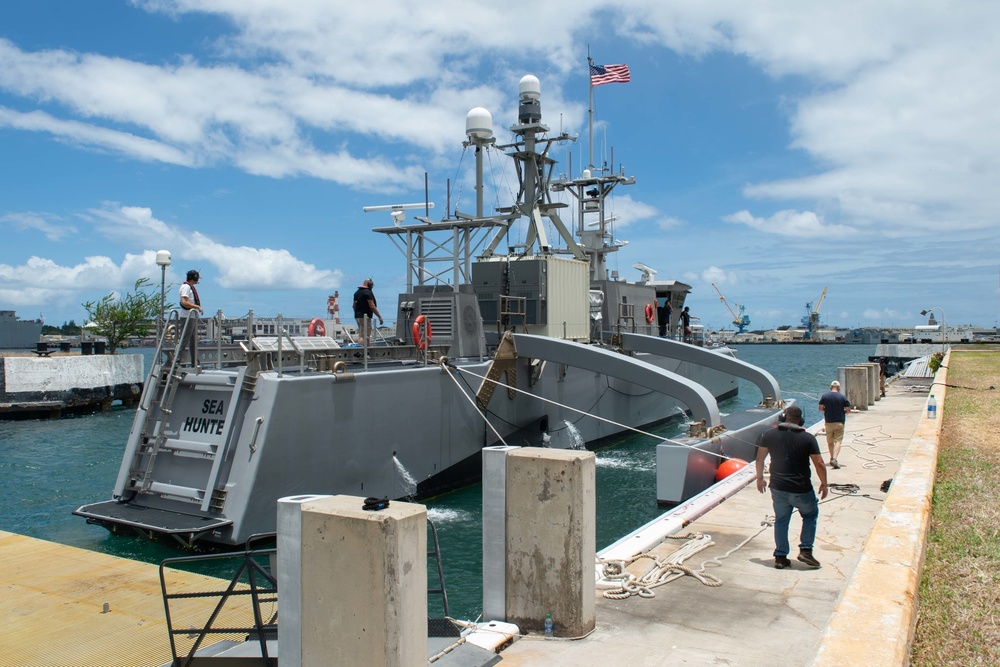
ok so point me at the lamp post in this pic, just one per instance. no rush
(944, 326)
(163, 261)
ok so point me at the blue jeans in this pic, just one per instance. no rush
(808, 507)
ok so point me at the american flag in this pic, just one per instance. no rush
(601, 74)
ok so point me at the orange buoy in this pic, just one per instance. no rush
(650, 313)
(422, 341)
(316, 327)
(728, 467)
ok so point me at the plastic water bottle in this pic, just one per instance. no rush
(931, 408)
(548, 625)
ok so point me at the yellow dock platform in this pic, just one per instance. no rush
(68, 606)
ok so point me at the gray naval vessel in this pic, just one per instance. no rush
(496, 343)
(17, 333)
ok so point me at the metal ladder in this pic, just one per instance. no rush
(157, 399)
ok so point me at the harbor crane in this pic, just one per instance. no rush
(742, 321)
(811, 320)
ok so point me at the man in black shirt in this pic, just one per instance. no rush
(688, 332)
(792, 448)
(364, 307)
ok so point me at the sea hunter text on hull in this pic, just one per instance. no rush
(496, 343)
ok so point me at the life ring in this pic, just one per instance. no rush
(422, 342)
(650, 313)
(316, 327)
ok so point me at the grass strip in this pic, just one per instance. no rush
(958, 621)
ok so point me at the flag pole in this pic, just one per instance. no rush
(590, 81)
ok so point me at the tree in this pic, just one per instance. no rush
(131, 314)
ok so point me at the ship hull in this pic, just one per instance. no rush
(405, 431)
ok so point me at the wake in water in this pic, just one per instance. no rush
(440, 515)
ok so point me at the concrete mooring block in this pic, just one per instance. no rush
(550, 536)
(361, 583)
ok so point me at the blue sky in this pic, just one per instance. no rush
(778, 148)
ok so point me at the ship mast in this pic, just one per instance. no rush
(530, 152)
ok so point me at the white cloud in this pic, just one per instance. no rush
(714, 274)
(53, 226)
(238, 267)
(802, 224)
(670, 223)
(88, 135)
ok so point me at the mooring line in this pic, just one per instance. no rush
(571, 408)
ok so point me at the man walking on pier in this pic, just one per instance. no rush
(834, 407)
(792, 448)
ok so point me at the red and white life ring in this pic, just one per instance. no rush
(317, 328)
(650, 313)
(422, 342)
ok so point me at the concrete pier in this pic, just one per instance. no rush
(48, 386)
(857, 609)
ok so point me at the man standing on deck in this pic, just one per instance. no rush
(834, 407)
(663, 314)
(364, 307)
(792, 448)
(189, 327)
(686, 324)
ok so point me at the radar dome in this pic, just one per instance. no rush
(479, 123)
(530, 87)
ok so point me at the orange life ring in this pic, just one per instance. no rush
(316, 327)
(422, 342)
(650, 313)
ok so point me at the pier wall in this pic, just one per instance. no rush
(53, 384)
(874, 620)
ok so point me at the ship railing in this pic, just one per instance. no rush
(626, 318)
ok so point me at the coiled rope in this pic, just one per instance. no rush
(668, 568)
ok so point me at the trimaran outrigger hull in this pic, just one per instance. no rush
(568, 357)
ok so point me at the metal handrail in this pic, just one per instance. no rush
(262, 587)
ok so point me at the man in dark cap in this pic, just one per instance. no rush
(190, 304)
(792, 448)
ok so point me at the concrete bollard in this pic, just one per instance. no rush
(855, 386)
(869, 383)
(551, 523)
(353, 583)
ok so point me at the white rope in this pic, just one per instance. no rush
(664, 570)
(869, 444)
(668, 568)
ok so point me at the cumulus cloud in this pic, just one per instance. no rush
(238, 267)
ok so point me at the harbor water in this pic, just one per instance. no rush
(48, 468)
